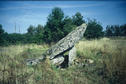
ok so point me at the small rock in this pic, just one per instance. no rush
(57, 61)
(91, 61)
(32, 61)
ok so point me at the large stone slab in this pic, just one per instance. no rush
(67, 42)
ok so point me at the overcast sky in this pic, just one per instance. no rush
(25, 13)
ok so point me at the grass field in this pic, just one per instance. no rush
(109, 66)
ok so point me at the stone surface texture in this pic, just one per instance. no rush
(72, 55)
(67, 42)
(58, 60)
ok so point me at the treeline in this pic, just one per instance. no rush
(57, 27)
(115, 30)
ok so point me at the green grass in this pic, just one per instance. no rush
(109, 65)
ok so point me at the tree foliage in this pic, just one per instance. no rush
(39, 34)
(34, 34)
(57, 27)
(94, 30)
(115, 30)
(78, 19)
(1, 35)
(68, 25)
(31, 30)
(53, 29)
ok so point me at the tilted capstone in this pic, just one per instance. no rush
(67, 42)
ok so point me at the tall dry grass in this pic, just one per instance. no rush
(109, 65)
(110, 53)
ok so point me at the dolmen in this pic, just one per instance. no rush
(56, 54)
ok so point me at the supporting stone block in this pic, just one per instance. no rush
(72, 56)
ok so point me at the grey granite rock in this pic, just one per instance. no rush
(67, 42)
(57, 61)
(72, 55)
(64, 45)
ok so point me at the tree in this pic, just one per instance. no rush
(78, 19)
(15, 38)
(39, 29)
(117, 30)
(68, 25)
(123, 30)
(53, 30)
(39, 34)
(30, 36)
(31, 30)
(109, 31)
(94, 30)
(1, 35)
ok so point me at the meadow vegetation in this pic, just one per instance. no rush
(109, 66)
